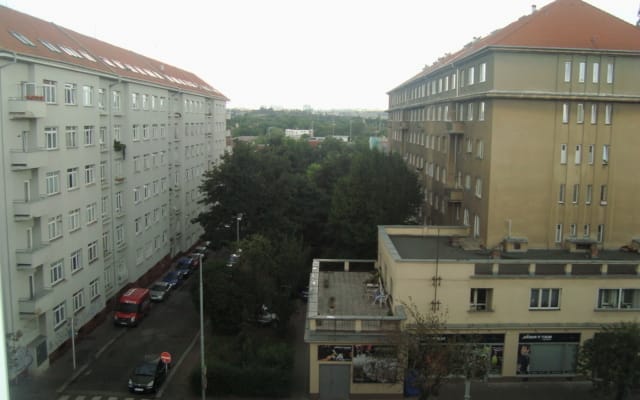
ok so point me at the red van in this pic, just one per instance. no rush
(132, 306)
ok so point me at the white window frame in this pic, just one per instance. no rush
(94, 288)
(576, 193)
(595, 72)
(589, 194)
(580, 114)
(56, 272)
(567, 71)
(565, 113)
(52, 183)
(54, 227)
(480, 299)
(89, 135)
(72, 178)
(544, 299)
(71, 137)
(471, 75)
(582, 71)
(75, 261)
(70, 94)
(577, 158)
(606, 150)
(558, 233)
(92, 251)
(90, 174)
(51, 138)
(74, 220)
(49, 89)
(594, 113)
(92, 214)
(608, 114)
(561, 193)
(59, 315)
(615, 298)
(481, 108)
(78, 300)
(563, 153)
(609, 73)
(87, 96)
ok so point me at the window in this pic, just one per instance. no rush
(586, 230)
(582, 71)
(476, 226)
(481, 111)
(72, 137)
(589, 195)
(74, 220)
(480, 149)
(576, 193)
(479, 187)
(103, 137)
(116, 132)
(573, 230)
(134, 101)
(49, 89)
(51, 138)
(603, 195)
(70, 94)
(106, 243)
(465, 217)
(591, 155)
(472, 73)
(89, 133)
(145, 132)
(470, 112)
(118, 201)
(594, 113)
(483, 72)
(76, 261)
(138, 225)
(115, 101)
(608, 110)
(102, 98)
(94, 289)
(619, 298)
(119, 234)
(595, 76)
(558, 238)
(145, 101)
(92, 250)
(467, 182)
(578, 154)
(55, 227)
(610, 73)
(52, 183)
(567, 71)
(136, 132)
(78, 300)
(72, 178)
(92, 213)
(89, 174)
(136, 195)
(563, 153)
(561, 193)
(605, 154)
(59, 315)
(87, 96)
(145, 160)
(544, 299)
(56, 272)
(105, 206)
(565, 113)
(580, 114)
(104, 174)
(480, 299)
(136, 163)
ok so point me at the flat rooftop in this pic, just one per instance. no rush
(350, 294)
(431, 247)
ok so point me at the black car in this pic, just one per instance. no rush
(148, 376)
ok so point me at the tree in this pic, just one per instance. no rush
(612, 359)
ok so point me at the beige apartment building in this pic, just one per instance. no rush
(102, 151)
(525, 142)
(530, 132)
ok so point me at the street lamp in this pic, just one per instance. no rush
(203, 367)
(73, 341)
(238, 219)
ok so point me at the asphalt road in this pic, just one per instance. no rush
(170, 326)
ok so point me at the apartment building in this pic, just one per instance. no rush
(102, 152)
(530, 132)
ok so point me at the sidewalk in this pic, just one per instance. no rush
(47, 384)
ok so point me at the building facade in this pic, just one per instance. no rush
(101, 154)
(530, 132)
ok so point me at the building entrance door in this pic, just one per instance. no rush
(335, 382)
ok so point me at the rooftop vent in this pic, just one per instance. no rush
(534, 8)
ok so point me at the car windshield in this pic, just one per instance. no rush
(147, 369)
(127, 307)
(158, 288)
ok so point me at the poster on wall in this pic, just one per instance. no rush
(334, 353)
(375, 364)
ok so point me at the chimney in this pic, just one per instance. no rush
(534, 8)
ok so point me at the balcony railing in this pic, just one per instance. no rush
(32, 158)
(29, 103)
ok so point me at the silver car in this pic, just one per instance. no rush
(159, 291)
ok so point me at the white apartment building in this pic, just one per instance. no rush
(101, 155)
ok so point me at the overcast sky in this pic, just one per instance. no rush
(290, 53)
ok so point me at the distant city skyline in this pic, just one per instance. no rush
(291, 54)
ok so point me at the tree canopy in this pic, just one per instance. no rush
(612, 359)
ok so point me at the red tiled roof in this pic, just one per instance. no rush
(563, 24)
(108, 58)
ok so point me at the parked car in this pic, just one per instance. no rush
(233, 260)
(184, 270)
(196, 258)
(304, 294)
(159, 291)
(201, 249)
(132, 307)
(148, 376)
(185, 260)
(172, 278)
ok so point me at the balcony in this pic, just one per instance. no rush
(454, 195)
(24, 210)
(27, 107)
(455, 127)
(35, 305)
(34, 158)
(33, 257)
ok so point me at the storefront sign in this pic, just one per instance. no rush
(549, 337)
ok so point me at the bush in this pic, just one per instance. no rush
(253, 381)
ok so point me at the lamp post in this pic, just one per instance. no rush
(73, 341)
(238, 219)
(203, 367)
